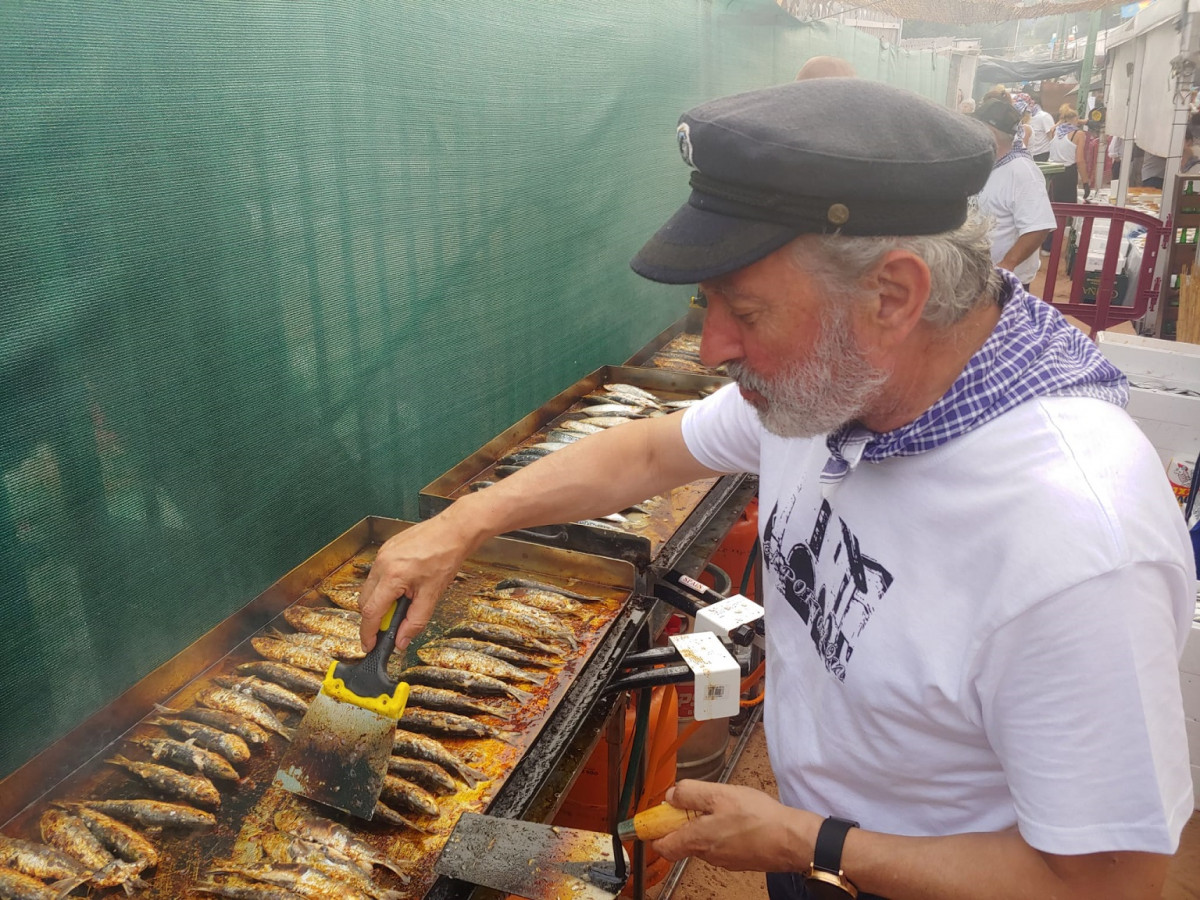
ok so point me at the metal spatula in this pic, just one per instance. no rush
(340, 753)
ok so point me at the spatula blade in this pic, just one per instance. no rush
(538, 862)
(339, 756)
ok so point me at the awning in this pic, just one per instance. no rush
(1001, 71)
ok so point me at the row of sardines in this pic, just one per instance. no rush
(608, 406)
(467, 683)
(682, 354)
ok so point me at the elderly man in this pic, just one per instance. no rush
(977, 580)
(1014, 199)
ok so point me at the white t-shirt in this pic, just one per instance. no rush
(979, 636)
(1015, 200)
(1042, 124)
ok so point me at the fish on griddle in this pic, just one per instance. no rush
(218, 718)
(397, 792)
(508, 654)
(519, 606)
(69, 834)
(603, 422)
(523, 456)
(342, 648)
(620, 410)
(302, 618)
(450, 701)
(267, 691)
(40, 861)
(117, 837)
(188, 757)
(304, 880)
(195, 789)
(565, 436)
(384, 813)
(346, 598)
(428, 775)
(480, 663)
(232, 747)
(534, 625)
(154, 813)
(479, 485)
(245, 706)
(505, 471)
(507, 583)
(543, 600)
(452, 725)
(330, 834)
(236, 888)
(578, 426)
(18, 885)
(466, 682)
(418, 746)
(627, 392)
(290, 677)
(292, 654)
(502, 634)
(286, 848)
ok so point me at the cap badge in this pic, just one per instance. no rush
(683, 135)
(838, 214)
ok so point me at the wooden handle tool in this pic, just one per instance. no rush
(656, 822)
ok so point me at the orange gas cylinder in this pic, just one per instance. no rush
(733, 555)
(586, 806)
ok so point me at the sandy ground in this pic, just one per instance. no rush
(701, 881)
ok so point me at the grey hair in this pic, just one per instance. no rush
(962, 276)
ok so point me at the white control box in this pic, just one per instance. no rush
(725, 615)
(718, 678)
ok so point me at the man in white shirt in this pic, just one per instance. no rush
(977, 581)
(1014, 198)
(1042, 124)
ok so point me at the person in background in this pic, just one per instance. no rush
(1154, 169)
(1189, 161)
(1023, 104)
(967, 106)
(826, 67)
(1115, 148)
(1091, 152)
(1014, 198)
(976, 580)
(1067, 149)
(1041, 125)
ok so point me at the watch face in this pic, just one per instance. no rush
(820, 889)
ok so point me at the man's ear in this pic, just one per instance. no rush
(899, 289)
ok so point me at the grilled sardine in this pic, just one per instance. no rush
(16, 885)
(451, 725)
(69, 834)
(189, 757)
(405, 795)
(508, 654)
(541, 600)
(502, 634)
(245, 706)
(266, 691)
(331, 834)
(154, 813)
(232, 747)
(218, 718)
(467, 682)
(292, 654)
(346, 598)
(418, 746)
(480, 663)
(117, 837)
(486, 612)
(242, 889)
(193, 788)
(428, 775)
(41, 861)
(342, 648)
(306, 619)
(451, 701)
(304, 880)
(290, 677)
(286, 848)
(540, 586)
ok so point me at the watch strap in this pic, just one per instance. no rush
(831, 836)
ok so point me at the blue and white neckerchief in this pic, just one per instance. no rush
(1015, 153)
(1032, 352)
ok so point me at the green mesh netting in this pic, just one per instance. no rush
(269, 267)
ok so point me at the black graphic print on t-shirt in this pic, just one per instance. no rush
(827, 580)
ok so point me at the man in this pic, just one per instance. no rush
(1014, 198)
(976, 576)
(1042, 125)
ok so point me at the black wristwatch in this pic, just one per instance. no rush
(824, 879)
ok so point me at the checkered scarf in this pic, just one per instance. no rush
(1032, 352)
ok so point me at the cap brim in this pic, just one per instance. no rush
(696, 245)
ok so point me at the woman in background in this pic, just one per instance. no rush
(1067, 149)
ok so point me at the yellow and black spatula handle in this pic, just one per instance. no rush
(367, 683)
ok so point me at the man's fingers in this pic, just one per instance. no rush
(691, 794)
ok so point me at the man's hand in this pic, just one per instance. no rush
(743, 829)
(419, 563)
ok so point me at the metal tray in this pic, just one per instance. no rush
(640, 542)
(73, 768)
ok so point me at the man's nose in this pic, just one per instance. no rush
(719, 340)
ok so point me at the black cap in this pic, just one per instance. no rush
(829, 154)
(1000, 114)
